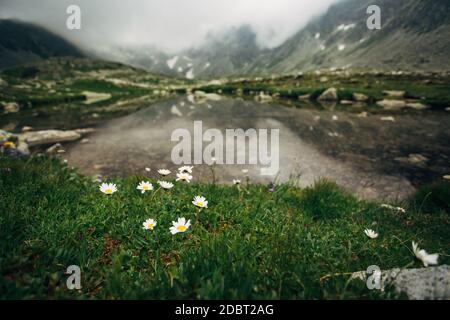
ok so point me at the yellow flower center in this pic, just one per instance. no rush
(9, 144)
(200, 203)
(150, 226)
(181, 228)
(145, 188)
(108, 191)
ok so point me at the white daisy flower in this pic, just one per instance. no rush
(180, 226)
(165, 184)
(371, 234)
(185, 169)
(108, 188)
(164, 172)
(236, 181)
(422, 255)
(184, 177)
(149, 224)
(145, 186)
(200, 202)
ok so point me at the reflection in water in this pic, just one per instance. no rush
(364, 154)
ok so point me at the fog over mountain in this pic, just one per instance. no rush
(209, 39)
(169, 25)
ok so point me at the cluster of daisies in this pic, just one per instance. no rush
(183, 174)
(426, 258)
(181, 225)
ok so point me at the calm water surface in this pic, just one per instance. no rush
(366, 155)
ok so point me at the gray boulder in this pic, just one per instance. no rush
(431, 283)
(329, 95)
(38, 138)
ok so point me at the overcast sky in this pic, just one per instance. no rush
(168, 24)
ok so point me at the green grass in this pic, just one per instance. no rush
(249, 243)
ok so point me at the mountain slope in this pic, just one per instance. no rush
(221, 54)
(22, 43)
(226, 53)
(415, 34)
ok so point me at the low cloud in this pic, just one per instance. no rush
(169, 25)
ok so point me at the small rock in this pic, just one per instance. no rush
(323, 79)
(329, 95)
(363, 114)
(391, 119)
(214, 96)
(446, 177)
(335, 118)
(10, 107)
(360, 97)
(84, 141)
(333, 134)
(26, 129)
(391, 104)
(447, 109)
(417, 158)
(54, 149)
(3, 83)
(304, 97)
(413, 159)
(199, 94)
(346, 102)
(394, 93)
(416, 105)
(263, 97)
